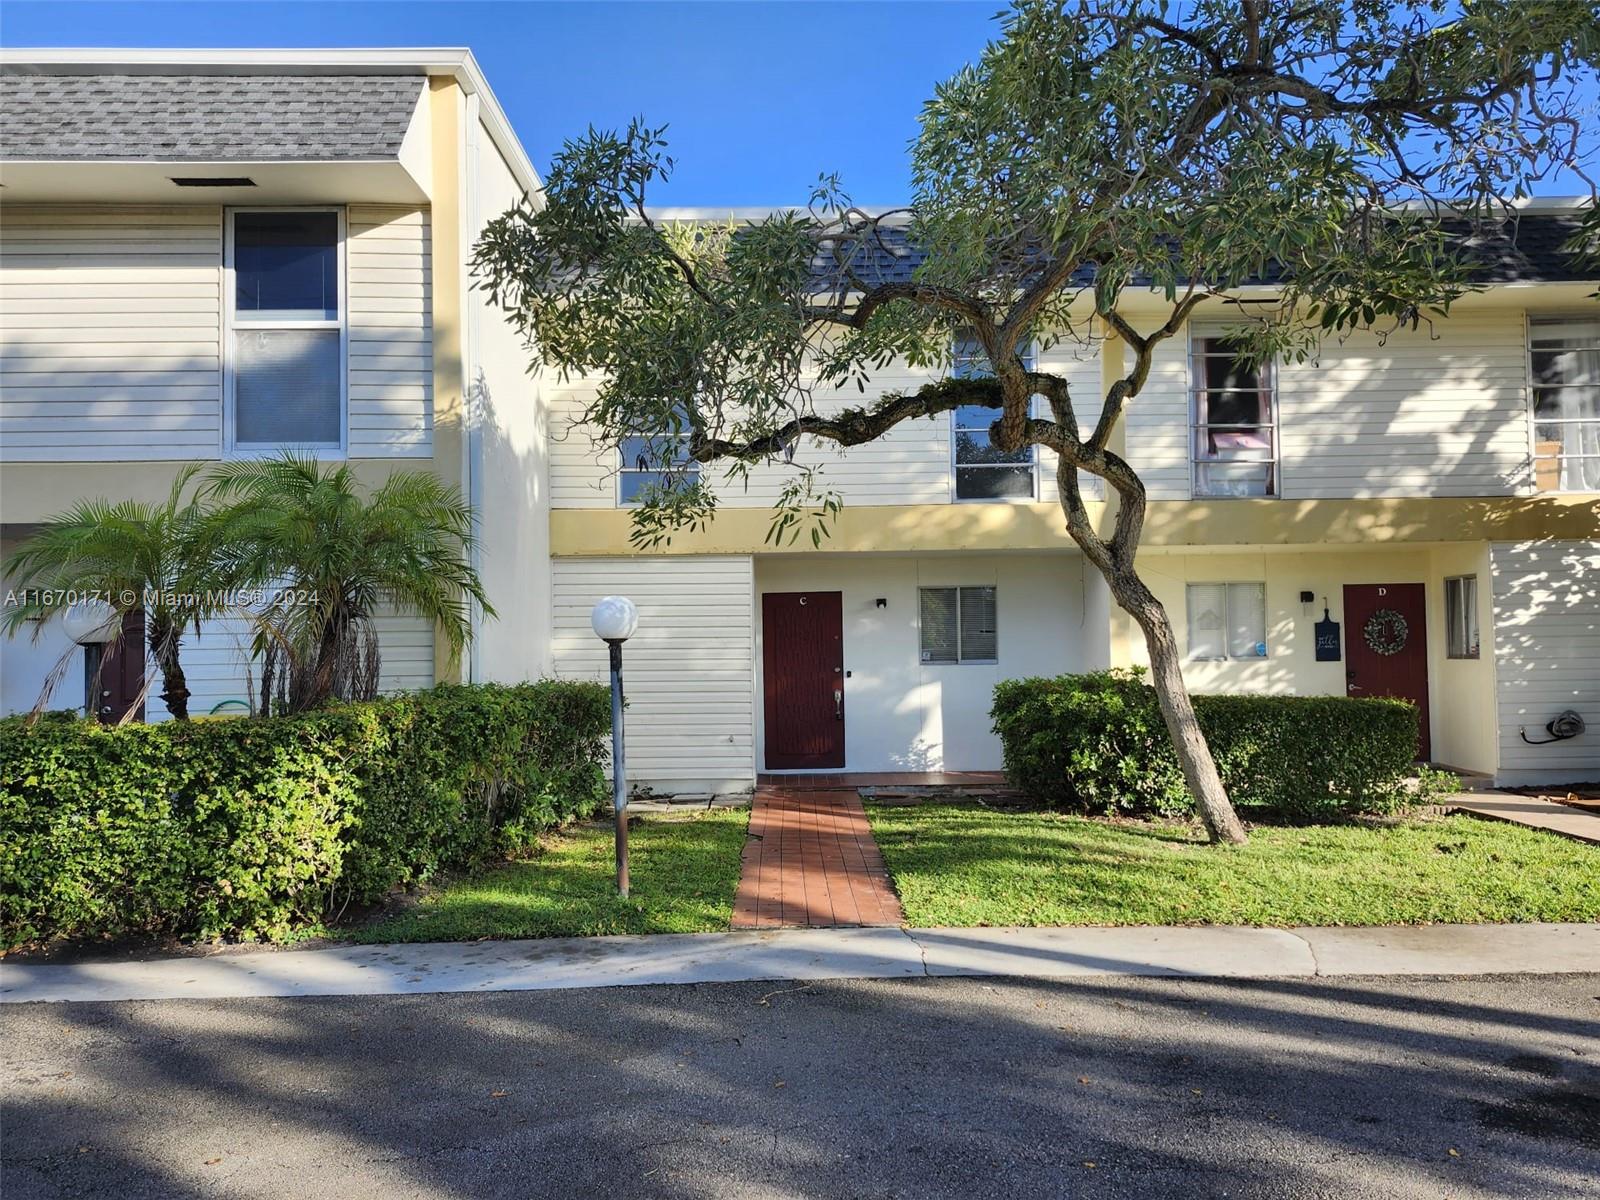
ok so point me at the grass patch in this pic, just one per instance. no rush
(963, 864)
(683, 874)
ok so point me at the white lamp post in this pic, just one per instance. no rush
(614, 620)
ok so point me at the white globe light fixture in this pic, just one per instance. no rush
(90, 621)
(614, 619)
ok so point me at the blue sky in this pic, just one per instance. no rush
(760, 97)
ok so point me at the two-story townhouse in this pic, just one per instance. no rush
(1434, 491)
(207, 255)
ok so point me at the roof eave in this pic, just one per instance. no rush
(457, 62)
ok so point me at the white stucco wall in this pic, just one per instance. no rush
(509, 471)
(904, 715)
(1460, 692)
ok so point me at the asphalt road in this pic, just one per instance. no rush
(1118, 1087)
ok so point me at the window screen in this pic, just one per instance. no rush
(286, 386)
(286, 266)
(1208, 620)
(1461, 616)
(1247, 620)
(1227, 620)
(978, 639)
(959, 625)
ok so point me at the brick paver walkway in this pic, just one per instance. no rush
(810, 860)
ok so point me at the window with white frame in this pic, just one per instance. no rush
(1227, 620)
(982, 470)
(1461, 616)
(1565, 361)
(659, 460)
(1233, 409)
(958, 625)
(286, 336)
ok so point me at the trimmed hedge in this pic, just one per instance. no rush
(254, 827)
(1097, 742)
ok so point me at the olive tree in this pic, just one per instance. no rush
(1095, 160)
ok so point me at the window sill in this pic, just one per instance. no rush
(320, 453)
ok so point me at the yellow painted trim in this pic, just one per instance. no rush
(447, 112)
(1171, 524)
(32, 492)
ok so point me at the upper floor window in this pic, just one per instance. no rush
(1227, 620)
(286, 329)
(983, 471)
(657, 460)
(1566, 405)
(1233, 409)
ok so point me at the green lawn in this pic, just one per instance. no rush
(683, 875)
(963, 864)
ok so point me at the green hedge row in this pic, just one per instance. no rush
(253, 827)
(1097, 743)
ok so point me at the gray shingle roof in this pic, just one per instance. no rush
(205, 118)
(1524, 249)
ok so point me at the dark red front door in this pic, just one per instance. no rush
(115, 674)
(1386, 646)
(802, 661)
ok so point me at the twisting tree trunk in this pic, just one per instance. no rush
(1114, 560)
(1166, 675)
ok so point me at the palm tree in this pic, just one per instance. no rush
(300, 526)
(136, 555)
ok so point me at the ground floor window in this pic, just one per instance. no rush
(958, 625)
(1461, 616)
(1227, 620)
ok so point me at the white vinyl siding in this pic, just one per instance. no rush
(1547, 655)
(109, 333)
(1430, 412)
(1156, 422)
(389, 261)
(1438, 411)
(219, 669)
(689, 670)
(911, 464)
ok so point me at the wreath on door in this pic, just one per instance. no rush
(1386, 632)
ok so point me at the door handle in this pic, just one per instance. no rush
(838, 704)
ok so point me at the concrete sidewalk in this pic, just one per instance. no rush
(1532, 811)
(814, 954)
